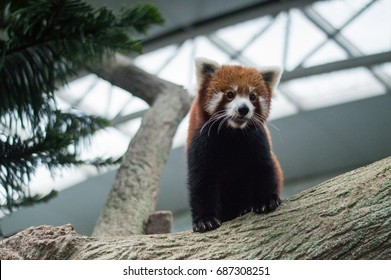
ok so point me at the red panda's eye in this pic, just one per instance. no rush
(253, 97)
(230, 95)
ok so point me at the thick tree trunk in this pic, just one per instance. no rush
(348, 217)
(133, 196)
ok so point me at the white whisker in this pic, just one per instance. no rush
(259, 120)
(272, 125)
(213, 119)
(254, 122)
(222, 122)
(262, 118)
(210, 127)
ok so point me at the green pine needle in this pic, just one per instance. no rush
(50, 40)
(42, 44)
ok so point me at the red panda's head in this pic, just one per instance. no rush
(236, 95)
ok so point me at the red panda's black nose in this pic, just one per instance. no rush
(243, 110)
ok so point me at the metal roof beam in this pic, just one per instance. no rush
(342, 41)
(205, 27)
(363, 61)
(238, 54)
(226, 48)
(331, 32)
(122, 119)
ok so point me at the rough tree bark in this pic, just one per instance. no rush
(133, 195)
(347, 217)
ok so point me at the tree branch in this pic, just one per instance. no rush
(122, 73)
(347, 217)
(133, 196)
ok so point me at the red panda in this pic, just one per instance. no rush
(231, 167)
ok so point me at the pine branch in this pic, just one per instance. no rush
(50, 40)
(29, 200)
(141, 17)
(51, 146)
(42, 43)
(54, 146)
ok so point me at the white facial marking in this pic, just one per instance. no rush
(233, 124)
(236, 103)
(251, 89)
(235, 87)
(264, 107)
(214, 102)
(232, 111)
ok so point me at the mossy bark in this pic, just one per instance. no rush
(348, 217)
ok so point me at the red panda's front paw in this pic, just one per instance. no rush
(267, 205)
(245, 211)
(206, 224)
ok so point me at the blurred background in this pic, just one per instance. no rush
(332, 112)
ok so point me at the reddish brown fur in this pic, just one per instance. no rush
(222, 81)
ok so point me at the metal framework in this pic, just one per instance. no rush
(269, 10)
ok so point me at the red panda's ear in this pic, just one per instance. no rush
(205, 68)
(271, 76)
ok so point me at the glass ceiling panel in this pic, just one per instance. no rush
(130, 128)
(330, 52)
(334, 88)
(154, 60)
(268, 48)
(96, 101)
(303, 38)
(371, 32)
(385, 70)
(132, 104)
(107, 142)
(204, 48)
(43, 181)
(96, 96)
(240, 34)
(339, 12)
(180, 76)
(281, 107)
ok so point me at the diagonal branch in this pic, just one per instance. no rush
(133, 196)
(122, 73)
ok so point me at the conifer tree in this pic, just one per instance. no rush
(42, 44)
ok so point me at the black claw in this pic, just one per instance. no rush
(245, 211)
(273, 204)
(217, 222)
(206, 224)
(267, 205)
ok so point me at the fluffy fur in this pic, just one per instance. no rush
(231, 167)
